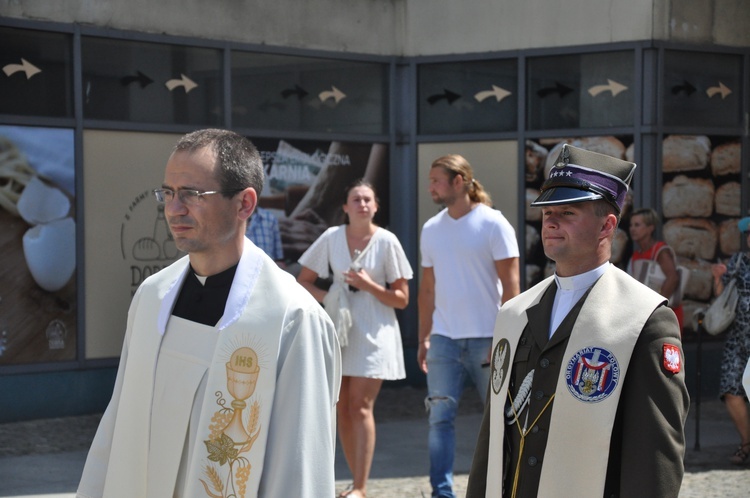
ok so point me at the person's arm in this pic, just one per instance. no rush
(651, 414)
(718, 270)
(395, 295)
(426, 305)
(668, 265)
(510, 276)
(306, 279)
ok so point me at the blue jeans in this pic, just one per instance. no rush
(449, 364)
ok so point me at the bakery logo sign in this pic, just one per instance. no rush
(146, 243)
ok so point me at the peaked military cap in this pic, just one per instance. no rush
(581, 175)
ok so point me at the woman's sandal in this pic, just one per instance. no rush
(741, 455)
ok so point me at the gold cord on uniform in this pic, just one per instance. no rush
(524, 432)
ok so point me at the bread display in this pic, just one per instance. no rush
(685, 153)
(726, 159)
(685, 196)
(691, 237)
(729, 236)
(727, 199)
(532, 213)
(535, 157)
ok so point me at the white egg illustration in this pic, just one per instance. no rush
(40, 203)
(50, 251)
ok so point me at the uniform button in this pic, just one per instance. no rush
(539, 394)
(544, 363)
(535, 429)
(523, 341)
(532, 461)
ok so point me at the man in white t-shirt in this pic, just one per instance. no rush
(470, 266)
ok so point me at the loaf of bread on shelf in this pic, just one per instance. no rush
(685, 196)
(692, 237)
(727, 199)
(685, 153)
(729, 237)
(725, 159)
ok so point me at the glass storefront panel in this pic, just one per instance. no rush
(37, 73)
(581, 91)
(151, 82)
(468, 97)
(280, 92)
(702, 89)
(38, 303)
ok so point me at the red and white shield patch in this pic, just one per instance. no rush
(672, 358)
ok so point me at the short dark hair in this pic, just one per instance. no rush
(238, 160)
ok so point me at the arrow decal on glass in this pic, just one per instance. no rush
(559, 89)
(611, 86)
(140, 78)
(721, 89)
(334, 93)
(686, 87)
(25, 66)
(447, 95)
(184, 81)
(497, 92)
(297, 90)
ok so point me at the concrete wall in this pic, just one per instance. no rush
(410, 27)
(360, 26)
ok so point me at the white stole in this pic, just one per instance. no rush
(599, 324)
(236, 410)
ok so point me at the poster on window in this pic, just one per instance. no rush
(306, 184)
(38, 245)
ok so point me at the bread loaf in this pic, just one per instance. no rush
(685, 153)
(729, 237)
(532, 240)
(532, 213)
(728, 198)
(685, 196)
(536, 157)
(725, 159)
(692, 238)
(700, 284)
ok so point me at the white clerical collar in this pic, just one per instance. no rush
(582, 281)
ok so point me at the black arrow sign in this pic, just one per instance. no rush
(447, 95)
(559, 89)
(297, 90)
(685, 87)
(140, 78)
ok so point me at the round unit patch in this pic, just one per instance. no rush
(592, 374)
(500, 364)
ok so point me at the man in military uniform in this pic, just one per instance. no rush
(587, 394)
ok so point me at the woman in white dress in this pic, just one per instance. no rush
(370, 280)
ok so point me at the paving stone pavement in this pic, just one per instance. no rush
(44, 458)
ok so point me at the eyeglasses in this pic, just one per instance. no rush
(187, 196)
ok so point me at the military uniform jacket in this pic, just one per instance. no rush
(644, 434)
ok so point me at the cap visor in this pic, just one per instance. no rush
(563, 195)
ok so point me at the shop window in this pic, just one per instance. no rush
(38, 225)
(581, 91)
(151, 83)
(36, 77)
(468, 97)
(702, 89)
(281, 92)
(701, 200)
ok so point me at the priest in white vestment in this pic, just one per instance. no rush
(230, 371)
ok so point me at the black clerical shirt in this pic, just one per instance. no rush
(204, 303)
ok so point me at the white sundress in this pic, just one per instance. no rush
(374, 349)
